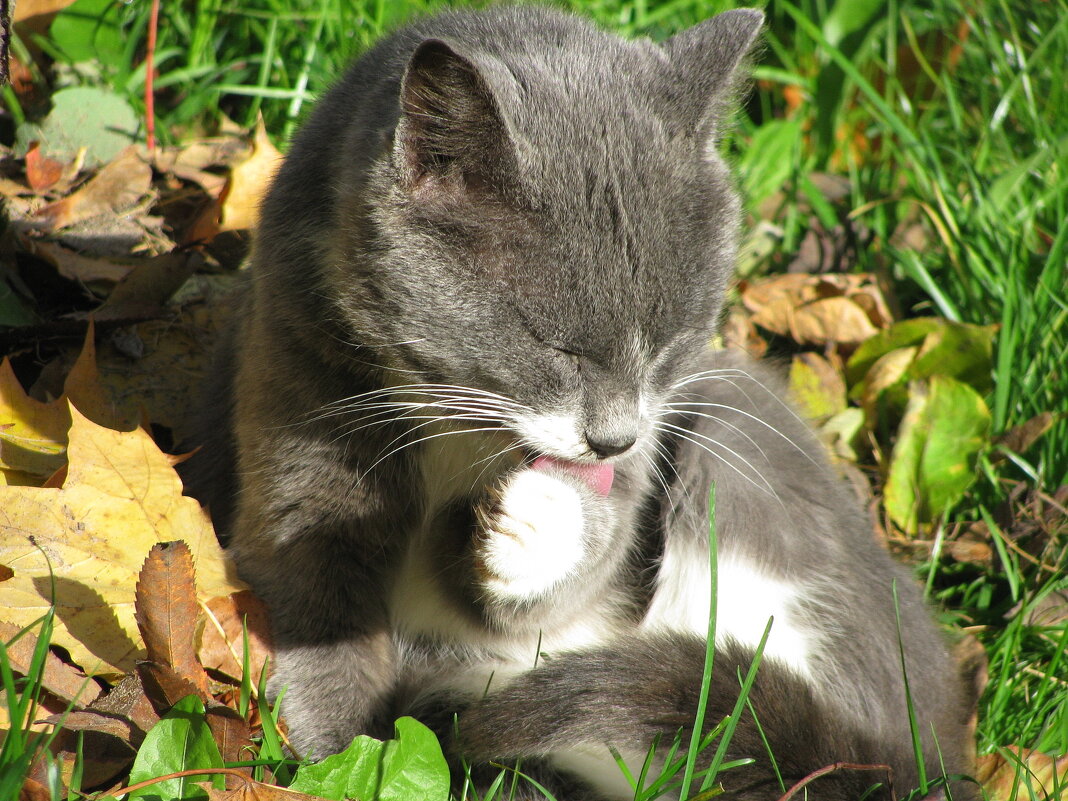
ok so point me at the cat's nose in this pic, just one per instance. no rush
(605, 445)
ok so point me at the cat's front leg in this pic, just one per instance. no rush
(539, 531)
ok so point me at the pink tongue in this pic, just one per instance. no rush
(598, 476)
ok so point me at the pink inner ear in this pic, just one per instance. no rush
(598, 476)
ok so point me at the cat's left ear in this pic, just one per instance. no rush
(708, 59)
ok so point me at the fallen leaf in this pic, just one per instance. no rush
(58, 678)
(71, 265)
(248, 183)
(6, 572)
(113, 190)
(816, 387)
(221, 646)
(946, 425)
(1020, 774)
(251, 790)
(42, 173)
(34, 791)
(27, 9)
(818, 309)
(33, 435)
(165, 601)
(967, 549)
(86, 392)
(120, 497)
(1019, 439)
(125, 712)
(165, 687)
(231, 732)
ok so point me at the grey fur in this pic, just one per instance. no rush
(514, 202)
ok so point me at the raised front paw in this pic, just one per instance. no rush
(530, 535)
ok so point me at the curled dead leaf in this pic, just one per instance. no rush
(42, 173)
(118, 186)
(71, 265)
(1016, 774)
(248, 183)
(222, 646)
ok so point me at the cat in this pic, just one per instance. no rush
(462, 439)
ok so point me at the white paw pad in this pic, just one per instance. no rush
(532, 535)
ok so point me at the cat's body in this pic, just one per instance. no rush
(474, 423)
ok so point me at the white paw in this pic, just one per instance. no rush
(531, 537)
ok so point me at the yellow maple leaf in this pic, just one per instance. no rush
(121, 495)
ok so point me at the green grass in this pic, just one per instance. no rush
(945, 117)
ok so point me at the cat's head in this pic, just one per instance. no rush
(552, 224)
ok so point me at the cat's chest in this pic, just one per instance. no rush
(457, 462)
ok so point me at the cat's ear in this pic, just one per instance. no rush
(452, 134)
(708, 60)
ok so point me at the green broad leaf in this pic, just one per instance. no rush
(90, 30)
(919, 349)
(945, 427)
(899, 335)
(768, 161)
(180, 741)
(960, 350)
(850, 16)
(408, 768)
(99, 120)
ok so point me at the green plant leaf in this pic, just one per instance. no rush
(899, 335)
(96, 119)
(946, 425)
(768, 162)
(408, 768)
(937, 347)
(180, 741)
(90, 30)
(849, 16)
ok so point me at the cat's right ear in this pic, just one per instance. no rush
(452, 135)
(709, 59)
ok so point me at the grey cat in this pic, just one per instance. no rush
(463, 438)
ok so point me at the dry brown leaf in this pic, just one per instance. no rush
(967, 549)
(59, 678)
(151, 285)
(25, 9)
(120, 497)
(6, 572)
(165, 687)
(231, 733)
(222, 650)
(42, 173)
(165, 601)
(126, 703)
(251, 790)
(114, 189)
(112, 728)
(1032, 774)
(248, 183)
(821, 309)
(74, 266)
(1019, 439)
(32, 790)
